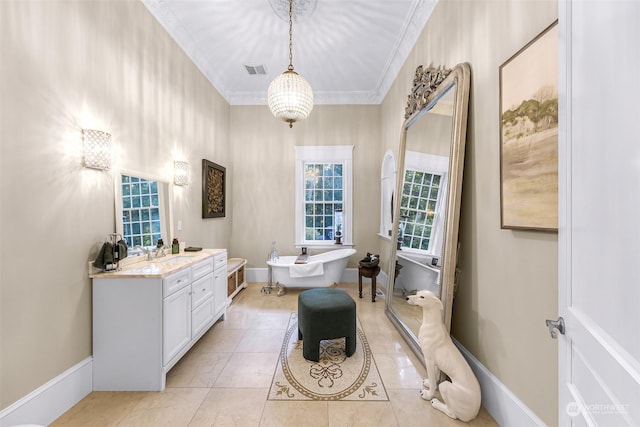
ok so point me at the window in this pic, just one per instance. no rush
(423, 202)
(323, 195)
(142, 216)
(418, 208)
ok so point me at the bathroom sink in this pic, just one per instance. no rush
(175, 259)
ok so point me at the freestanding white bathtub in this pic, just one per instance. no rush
(333, 264)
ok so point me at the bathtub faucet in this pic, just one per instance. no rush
(273, 254)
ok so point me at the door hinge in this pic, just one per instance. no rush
(554, 325)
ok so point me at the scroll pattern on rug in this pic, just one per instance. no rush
(334, 377)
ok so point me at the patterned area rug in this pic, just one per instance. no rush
(334, 377)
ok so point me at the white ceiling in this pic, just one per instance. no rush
(350, 51)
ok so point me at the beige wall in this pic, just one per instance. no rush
(264, 180)
(509, 278)
(68, 65)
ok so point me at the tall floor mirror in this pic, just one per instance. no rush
(427, 202)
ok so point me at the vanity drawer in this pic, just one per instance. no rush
(201, 289)
(201, 268)
(220, 260)
(176, 281)
(201, 317)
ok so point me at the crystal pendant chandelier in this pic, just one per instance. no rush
(289, 96)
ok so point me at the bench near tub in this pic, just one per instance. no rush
(236, 276)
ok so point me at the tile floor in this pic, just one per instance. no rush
(224, 379)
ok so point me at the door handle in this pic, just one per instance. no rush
(554, 325)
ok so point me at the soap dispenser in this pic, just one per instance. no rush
(175, 246)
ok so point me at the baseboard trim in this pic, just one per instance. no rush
(497, 399)
(49, 401)
(257, 275)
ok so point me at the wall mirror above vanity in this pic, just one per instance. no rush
(426, 209)
(143, 209)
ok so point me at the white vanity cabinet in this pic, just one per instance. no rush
(176, 314)
(203, 304)
(220, 280)
(145, 320)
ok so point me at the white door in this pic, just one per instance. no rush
(599, 206)
(176, 328)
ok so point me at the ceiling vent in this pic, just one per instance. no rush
(255, 70)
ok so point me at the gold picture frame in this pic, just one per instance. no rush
(529, 135)
(213, 190)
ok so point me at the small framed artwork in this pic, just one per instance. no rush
(213, 190)
(529, 135)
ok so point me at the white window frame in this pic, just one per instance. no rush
(388, 174)
(430, 163)
(328, 154)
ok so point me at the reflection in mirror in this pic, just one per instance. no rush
(387, 187)
(422, 207)
(143, 214)
(426, 214)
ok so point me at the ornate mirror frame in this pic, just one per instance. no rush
(429, 85)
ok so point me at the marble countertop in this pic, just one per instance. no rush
(138, 267)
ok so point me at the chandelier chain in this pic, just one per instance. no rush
(290, 35)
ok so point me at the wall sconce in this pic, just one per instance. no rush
(97, 149)
(180, 173)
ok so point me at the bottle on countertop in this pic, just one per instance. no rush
(175, 246)
(160, 243)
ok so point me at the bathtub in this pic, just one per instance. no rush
(416, 274)
(333, 265)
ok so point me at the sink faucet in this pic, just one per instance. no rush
(146, 251)
(160, 252)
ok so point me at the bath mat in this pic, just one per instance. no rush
(334, 377)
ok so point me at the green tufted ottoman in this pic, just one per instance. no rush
(324, 314)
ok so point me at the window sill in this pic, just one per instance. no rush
(384, 237)
(324, 245)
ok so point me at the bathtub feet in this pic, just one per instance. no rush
(278, 287)
(281, 290)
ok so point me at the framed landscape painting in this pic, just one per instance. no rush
(529, 135)
(213, 190)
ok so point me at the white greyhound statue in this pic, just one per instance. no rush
(461, 395)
